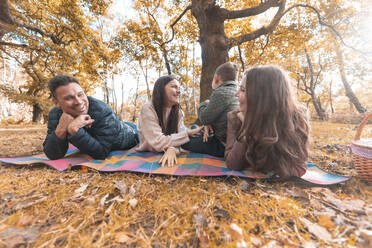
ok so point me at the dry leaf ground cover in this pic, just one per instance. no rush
(41, 207)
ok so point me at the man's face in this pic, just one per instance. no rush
(71, 99)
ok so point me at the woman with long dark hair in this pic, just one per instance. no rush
(270, 131)
(160, 123)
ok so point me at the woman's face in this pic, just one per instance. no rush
(172, 93)
(241, 96)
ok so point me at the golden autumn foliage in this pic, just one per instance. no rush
(46, 208)
(302, 33)
(76, 49)
(154, 42)
(40, 207)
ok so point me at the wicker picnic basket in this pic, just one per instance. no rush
(362, 152)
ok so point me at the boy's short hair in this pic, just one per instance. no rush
(60, 80)
(227, 71)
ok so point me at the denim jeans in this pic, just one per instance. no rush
(134, 126)
(130, 133)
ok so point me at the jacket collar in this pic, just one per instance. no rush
(226, 83)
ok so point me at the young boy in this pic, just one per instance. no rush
(213, 112)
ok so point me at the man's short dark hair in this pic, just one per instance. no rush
(60, 80)
(227, 71)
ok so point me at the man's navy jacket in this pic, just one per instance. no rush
(105, 134)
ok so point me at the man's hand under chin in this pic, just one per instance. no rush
(79, 122)
(63, 123)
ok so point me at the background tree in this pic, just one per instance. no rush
(215, 43)
(300, 29)
(162, 37)
(344, 20)
(308, 81)
(213, 40)
(80, 51)
(144, 40)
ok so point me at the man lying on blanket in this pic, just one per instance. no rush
(87, 123)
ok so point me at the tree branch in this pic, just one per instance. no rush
(161, 45)
(241, 58)
(3, 43)
(319, 72)
(316, 82)
(5, 16)
(321, 22)
(306, 88)
(175, 22)
(251, 11)
(261, 31)
(269, 29)
(11, 55)
(300, 87)
(310, 64)
(2, 33)
(267, 43)
(26, 66)
(6, 19)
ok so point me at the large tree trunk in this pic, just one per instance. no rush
(36, 113)
(193, 81)
(213, 41)
(349, 92)
(215, 44)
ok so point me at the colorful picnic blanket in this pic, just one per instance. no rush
(192, 164)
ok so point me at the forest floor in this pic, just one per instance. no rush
(41, 207)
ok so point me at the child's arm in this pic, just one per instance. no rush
(207, 129)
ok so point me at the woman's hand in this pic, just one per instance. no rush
(234, 122)
(169, 159)
(192, 132)
(206, 131)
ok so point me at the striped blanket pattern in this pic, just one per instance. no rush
(192, 164)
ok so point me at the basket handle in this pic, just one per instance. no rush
(361, 126)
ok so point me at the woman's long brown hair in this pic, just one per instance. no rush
(158, 100)
(275, 126)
